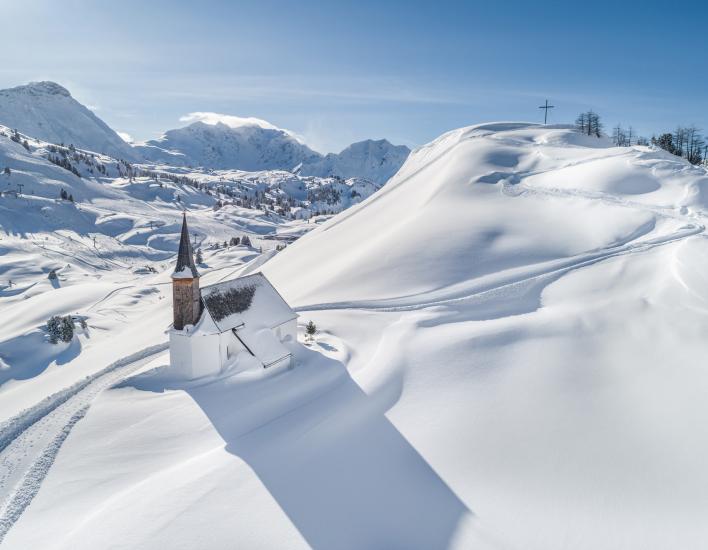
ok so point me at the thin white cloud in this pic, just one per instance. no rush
(229, 120)
(125, 136)
(233, 121)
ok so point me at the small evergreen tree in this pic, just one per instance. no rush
(71, 198)
(63, 195)
(53, 329)
(60, 328)
(235, 241)
(199, 258)
(310, 330)
(246, 240)
(7, 170)
(66, 329)
(666, 142)
(53, 275)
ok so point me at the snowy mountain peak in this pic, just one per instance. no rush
(47, 111)
(44, 87)
(376, 160)
(221, 142)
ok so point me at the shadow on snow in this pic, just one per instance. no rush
(324, 449)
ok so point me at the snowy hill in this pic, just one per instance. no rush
(479, 196)
(376, 161)
(46, 110)
(511, 354)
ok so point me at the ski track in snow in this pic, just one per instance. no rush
(545, 275)
(30, 441)
(513, 288)
(510, 289)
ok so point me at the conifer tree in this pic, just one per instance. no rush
(310, 330)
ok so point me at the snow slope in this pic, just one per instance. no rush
(46, 110)
(476, 205)
(511, 355)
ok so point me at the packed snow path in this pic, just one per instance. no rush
(29, 442)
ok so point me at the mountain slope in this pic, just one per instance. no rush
(249, 147)
(374, 160)
(510, 354)
(47, 111)
(534, 304)
(451, 215)
(255, 145)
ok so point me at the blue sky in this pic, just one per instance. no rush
(337, 72)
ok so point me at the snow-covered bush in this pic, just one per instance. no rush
(60, 328)
(66, 329)
(53, 275)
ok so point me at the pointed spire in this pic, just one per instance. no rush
(185, 268)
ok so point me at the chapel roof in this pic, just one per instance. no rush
(251, 301)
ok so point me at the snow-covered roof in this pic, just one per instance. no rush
(250, 301)
(264, 344)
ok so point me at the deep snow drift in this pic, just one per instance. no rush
(511, 355)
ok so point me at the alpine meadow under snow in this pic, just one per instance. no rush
(510, 349)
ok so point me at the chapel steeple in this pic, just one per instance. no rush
(185, 267)
(186, 299)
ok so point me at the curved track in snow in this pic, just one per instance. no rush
(30, 441)
(513, 286)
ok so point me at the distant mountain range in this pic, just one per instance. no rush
(47, 111)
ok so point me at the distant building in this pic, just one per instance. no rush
(241, 323)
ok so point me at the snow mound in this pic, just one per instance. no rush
(478, 201)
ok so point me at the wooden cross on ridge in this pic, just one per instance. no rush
(545, 111)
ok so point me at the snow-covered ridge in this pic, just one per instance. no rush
(375, 160)
(248, 147)
(216, 142)
(460, 185)
(47, 111)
